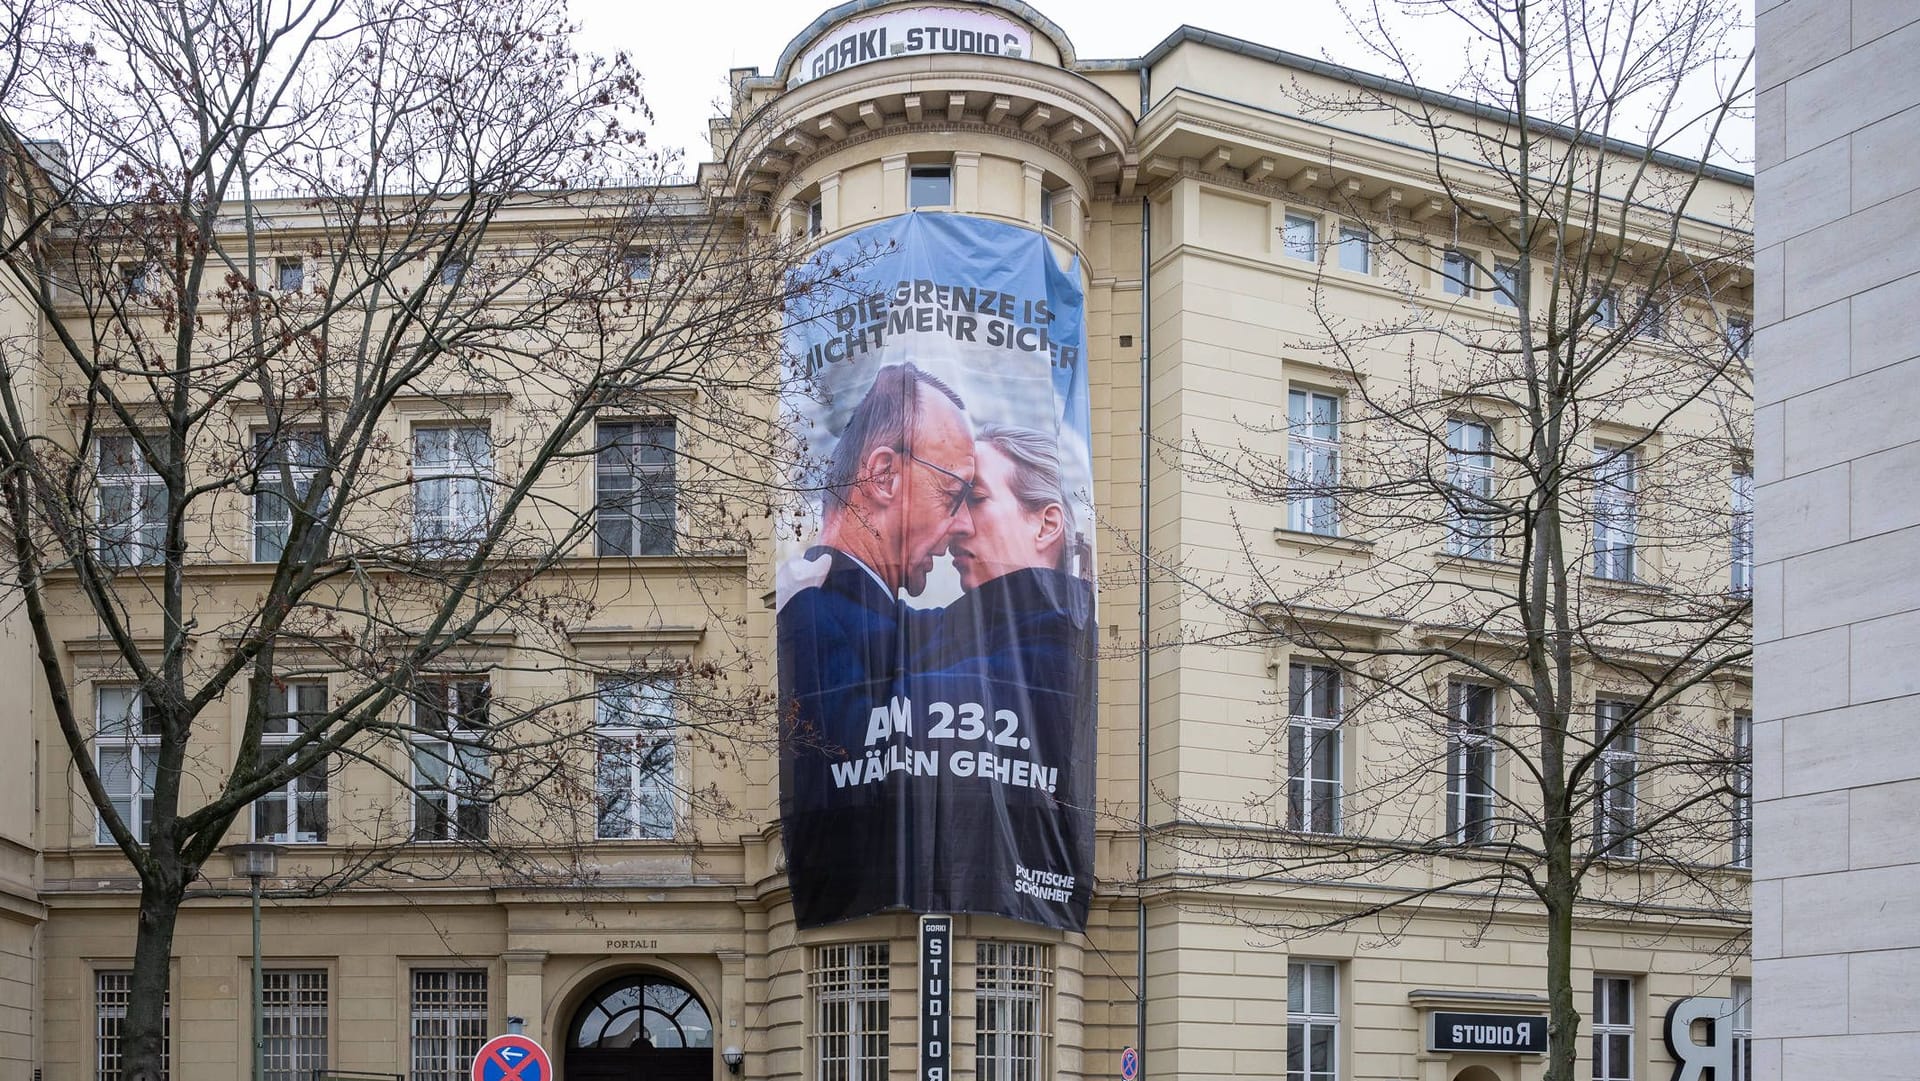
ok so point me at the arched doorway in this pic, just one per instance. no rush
(640, 1027)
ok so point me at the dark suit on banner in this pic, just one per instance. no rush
(842, 648)
(1023, 642)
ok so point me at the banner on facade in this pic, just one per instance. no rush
(935, 579)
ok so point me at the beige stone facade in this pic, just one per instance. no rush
(1170, 177)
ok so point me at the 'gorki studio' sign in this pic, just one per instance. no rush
(913, 32)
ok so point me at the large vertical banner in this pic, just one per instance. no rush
(935, 593)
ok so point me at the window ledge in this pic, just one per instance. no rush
(1629, 586)
(1445, 558)
(1322, 541)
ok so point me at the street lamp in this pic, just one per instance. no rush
(254, 862)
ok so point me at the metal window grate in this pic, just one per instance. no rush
(850, 983)
(112, 993)
(293, 1023)
(1013, 982)
(449, 1022)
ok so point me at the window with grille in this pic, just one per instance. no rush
(1615, 779)
(1313, 462)
(1470, 749)
(452, 494)
(1616, 513)
(1012, 983)
(636, 491)
(1313, 1021)
(290, 274)
(125, 747)
(1300, 237)
(1613, 1028)
(295, 812)
(1471, 515)
(293, 1023)
(1313, 748)
(131, 509)
(1742, 830)
(634, 747)
(112, 993)
(1742, 1030)
(452, 774)
(850, 1013)
(1741, 574)
(1739, 335)
(287, 462)
(448, 1023)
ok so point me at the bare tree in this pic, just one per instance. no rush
(329, 304)
(1507, 527)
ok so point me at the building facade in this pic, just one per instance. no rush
(1834, 889)
(1204, 195)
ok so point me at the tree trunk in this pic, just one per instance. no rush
(143, 1033)
(1563, 1021)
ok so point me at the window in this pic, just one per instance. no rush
(1742, 1030)
(1615, 511)
(1615, 784)
(448, 1022)
(636, 266)
(290, 275)
(1652, 320)
(1011, 985)
(126, 749)
(1612, 1028)
(816, 219)
(1739, 335)
(135, 280)
(451, 772)
(1313, 748)
(633, 742)
(930, 185)
(634, 475)
(296, 812)
(1313, 461)
(112, 993)
(1313, 1021)
(1742, 789)
(1606, 311)
(1300, 238)
(1046, 207)
(850, 1018)
(1470, 749)
(293, 1023)
(452, 270)
(1456, 272)
(1741, 572)
(1356, 250)
(133, 505)
(1506, 284)
(452, 501)
(1471, 513)
(292, 458)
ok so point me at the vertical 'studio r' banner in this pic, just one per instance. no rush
(935, 580)
(936, 997)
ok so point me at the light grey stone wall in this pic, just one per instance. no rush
(1836, 895)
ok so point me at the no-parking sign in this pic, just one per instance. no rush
(512, 1057)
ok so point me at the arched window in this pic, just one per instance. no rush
(641, 1010)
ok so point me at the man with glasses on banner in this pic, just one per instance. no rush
(895, 496)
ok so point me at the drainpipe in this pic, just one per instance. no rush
(1146, 509)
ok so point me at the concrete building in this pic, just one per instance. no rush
(1182, 181)
(1836, 942)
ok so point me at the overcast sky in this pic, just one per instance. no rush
(683, 48)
